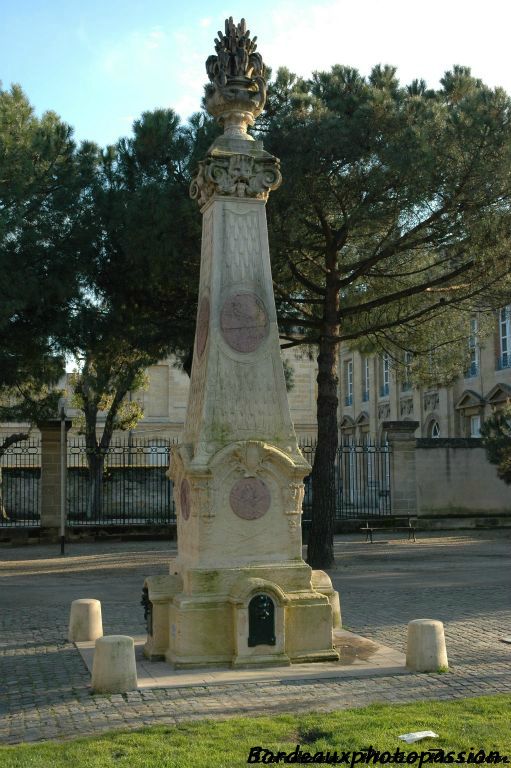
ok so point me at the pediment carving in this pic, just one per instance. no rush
(469, 399)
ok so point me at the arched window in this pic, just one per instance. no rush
(434, 429)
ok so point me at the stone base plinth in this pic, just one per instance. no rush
(214, 621)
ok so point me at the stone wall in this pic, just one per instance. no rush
(455, 478)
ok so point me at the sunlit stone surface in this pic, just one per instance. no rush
(239, 470)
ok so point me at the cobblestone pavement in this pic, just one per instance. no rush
(464, 580)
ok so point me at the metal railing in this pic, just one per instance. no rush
(127, 485)
(130, 486)
(362, 480)
(20, 480)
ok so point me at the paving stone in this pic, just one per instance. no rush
(45, 691)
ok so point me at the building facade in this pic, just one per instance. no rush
(371, 393)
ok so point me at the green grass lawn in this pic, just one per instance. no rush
(462, 725)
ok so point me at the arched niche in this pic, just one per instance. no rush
(261, 620)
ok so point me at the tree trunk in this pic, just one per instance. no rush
(320, 551)
(97, 451)
(96, 463)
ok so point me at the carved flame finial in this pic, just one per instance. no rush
(236, 93)
(236, 165)
(236, 55)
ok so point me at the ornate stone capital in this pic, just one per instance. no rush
(236, 175)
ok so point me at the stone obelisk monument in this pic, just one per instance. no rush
(239, 591)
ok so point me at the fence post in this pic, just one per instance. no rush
(403, 480)
(51, 475)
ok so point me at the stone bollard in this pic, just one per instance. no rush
(425, 648)
(114, 668)
(85, 620)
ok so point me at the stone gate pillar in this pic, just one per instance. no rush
(403, 481)
(51, 473)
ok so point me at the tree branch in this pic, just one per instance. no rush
(405, 293)
(305, 281)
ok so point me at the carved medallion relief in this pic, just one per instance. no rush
(250, 498)
(244, 322)
(184, 497)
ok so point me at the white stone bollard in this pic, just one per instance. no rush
(425, 647)
(85, 620)
(114, 669)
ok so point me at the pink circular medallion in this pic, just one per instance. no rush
(250, 498)
(202, 325)
(244, 322)
(184, 498)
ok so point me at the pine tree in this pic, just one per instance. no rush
(391, 228)
(496, 437)
(139, 267)
(42, 176)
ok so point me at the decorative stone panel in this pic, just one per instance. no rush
(431, 401)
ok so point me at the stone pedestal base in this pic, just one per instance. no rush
(249, 616)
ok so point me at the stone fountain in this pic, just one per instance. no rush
(238, 593)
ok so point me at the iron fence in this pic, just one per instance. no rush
(20, 480)
(126, 485)
(362, 480)
(130, 487)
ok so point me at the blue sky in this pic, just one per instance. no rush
(99, 65)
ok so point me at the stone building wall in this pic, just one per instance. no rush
(454, 478)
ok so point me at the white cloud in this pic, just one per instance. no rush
(421, 40)
(186, 106)
(155, 38)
